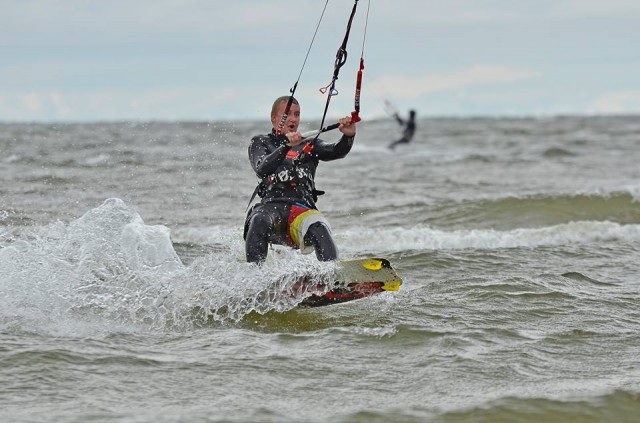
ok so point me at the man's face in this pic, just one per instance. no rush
(293, 119)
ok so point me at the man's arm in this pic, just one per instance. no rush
(325, 151)
(263, 161)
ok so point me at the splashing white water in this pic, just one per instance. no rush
(109, 270)
(426, 238)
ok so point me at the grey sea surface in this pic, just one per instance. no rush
(125, 296)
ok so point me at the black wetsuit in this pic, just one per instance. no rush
(409, 130)
(287, 178)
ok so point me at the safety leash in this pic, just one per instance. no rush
(355, 115)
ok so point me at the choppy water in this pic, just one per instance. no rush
(124, 295)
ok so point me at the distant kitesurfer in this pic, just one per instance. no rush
(286, 167)
(409, 129)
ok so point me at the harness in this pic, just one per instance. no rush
(292, 177)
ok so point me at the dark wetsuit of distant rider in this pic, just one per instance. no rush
(287, 213)
(409, 130)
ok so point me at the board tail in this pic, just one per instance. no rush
(354, 279)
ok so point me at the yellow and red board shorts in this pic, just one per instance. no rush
(300, 218)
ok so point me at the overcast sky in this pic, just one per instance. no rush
(87, 60)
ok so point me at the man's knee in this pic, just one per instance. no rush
(260, 221)
(322, 241)
(319, 229)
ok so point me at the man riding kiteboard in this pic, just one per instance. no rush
(286, 166)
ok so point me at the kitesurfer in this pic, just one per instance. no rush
(286, 166)
(409, 128)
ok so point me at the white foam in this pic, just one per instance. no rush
(427, 238)
(12, 158)
(634, 191)
(98, 160)
(109, 270)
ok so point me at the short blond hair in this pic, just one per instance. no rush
(285, 98)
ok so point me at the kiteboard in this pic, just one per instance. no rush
(353, 279)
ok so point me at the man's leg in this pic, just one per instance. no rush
(322, 242)
(257, 241)
(402, 140)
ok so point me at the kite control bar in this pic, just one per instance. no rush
(311, 134)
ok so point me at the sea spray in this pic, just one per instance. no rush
(109, 268)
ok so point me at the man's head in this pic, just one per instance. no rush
(412, 113)
(293, 118)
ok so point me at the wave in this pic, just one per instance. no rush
(557, 152)
(421, 238)
(362, 241)
(540, 210)
(620, 406)
(357, 241)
